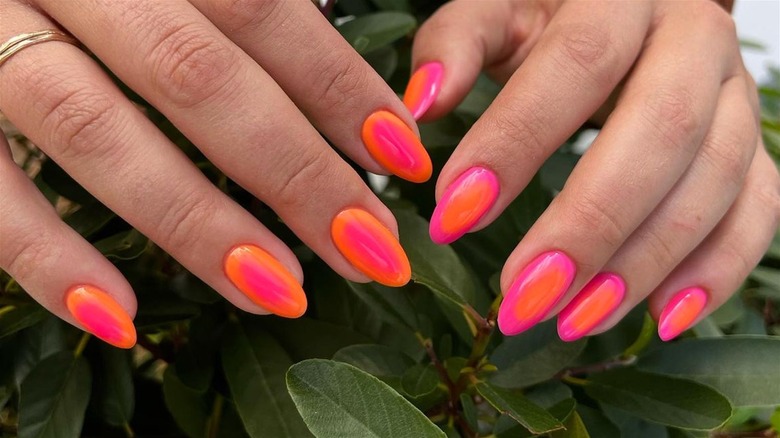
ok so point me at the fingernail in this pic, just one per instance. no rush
(464, 203)
(396, 147)
(595, 302)
(370, 247)
(535, 291)
(423, 87)
(262, 278)
(101, 315)
(681, 311)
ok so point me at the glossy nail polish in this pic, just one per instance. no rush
(396, 147)
(681, 311)
(595, 302)
(99, 314)
(463, 204)
(370, 247)
(265, 281)
(423, 88)
(535, 291)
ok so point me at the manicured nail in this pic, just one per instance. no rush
(681, 311)
(370, 247)
(101, 315)
(595, 302)
(395, 146)
(265, 281)
(423, 87)
(464, 203)
(535, 291)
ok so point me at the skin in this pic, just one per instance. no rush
(677, 190)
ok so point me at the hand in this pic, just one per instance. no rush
(676, 200)
(248, 82)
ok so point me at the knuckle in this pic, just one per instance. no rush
(246, 15)
(186, 218)
(717, 21)
(189, 66)
(588, 47)
(520, 124)
(340, 79)
(595, 214)
(670, 112)
(302, 179)
(730, 156)
(29, 252)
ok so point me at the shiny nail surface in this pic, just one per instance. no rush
(595, 302)
(396, 147)
(423, 88)
(681, 311)
(262, 278)
(370, 247)
(535, 291)
(463, 204)
(99, 314)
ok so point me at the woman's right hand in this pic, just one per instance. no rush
(250, 83)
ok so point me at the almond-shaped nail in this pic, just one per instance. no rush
(595, 302)
(538, 287)
(395, 146)
(681, 311)
(99, 314)
(463, 204)
(423, 88)
(370, 247)
(262, 278)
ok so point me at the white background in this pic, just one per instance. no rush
(759, 21)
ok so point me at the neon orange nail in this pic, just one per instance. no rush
(99, 314)
(595, 302)
(370, 247)
(395, 146)
(423, 88)
(463, 204)
(535, 291)
(265, 281)
(681, 312)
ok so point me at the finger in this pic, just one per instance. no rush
(237, 115)
(683, 219)
(611, 192)
(543, 104)
(80, 285)
(70, 108)
(715, 270)
(336, 89)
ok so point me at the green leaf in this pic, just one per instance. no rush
(54, 397)
(390, 304)
(533, 357)
(575, 428)
(188, 407)
(90, 218)
(254, 368)
(670, 401)
(469, 410)
(385, 363)
(597, 424)
(372, 31)
(306, 338)
(522, 410)
(16, 318)
(767, 276)
(436, 266)
(58, 180)
(420, 380)
(339, 400)
(113, 387)
(743, 368)
(393, 5)
(126, 245)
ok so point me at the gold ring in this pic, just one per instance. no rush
(19, 42)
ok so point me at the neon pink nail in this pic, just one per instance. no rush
(681, 312)
(464, 203)
(423, 88)
(597, 300)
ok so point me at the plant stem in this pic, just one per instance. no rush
(599, 367)
(6, 309)
(643, 340)
(82, 344)
(215, 417)
(128, 430)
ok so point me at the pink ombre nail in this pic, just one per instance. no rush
(100, 314)
(423, 88)
(595, 302)
(535, 291)
(681, 312)
(464, 203)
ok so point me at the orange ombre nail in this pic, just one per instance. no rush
(370, 247)
(265, 281)
(535, 291)
(99, 314)
(423, 88)
(595, 302)
(463, 204)
(681, 311)
(396, 147)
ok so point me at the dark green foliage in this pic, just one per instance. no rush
(367, 360)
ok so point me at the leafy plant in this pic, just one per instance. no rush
(370, 361)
